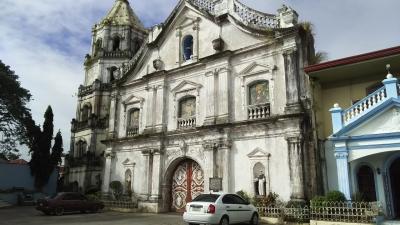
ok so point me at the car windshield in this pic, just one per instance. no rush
(206, 198)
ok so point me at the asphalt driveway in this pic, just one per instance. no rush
(29, 216)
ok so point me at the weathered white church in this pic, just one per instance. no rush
(213, 98)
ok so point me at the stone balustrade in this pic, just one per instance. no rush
(118, 54)
(364, 105)
(205, 4)
(184, 123)
(258, 111)
(92, 123)
(254, 17)
(132, 131)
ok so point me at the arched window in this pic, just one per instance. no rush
(80, 148)
(113, 71)
(259, 93)
(98, 46)
(116, 43)
(366, 183)
(187, 46)
(85, 112)
(133, 122)
(187, 108)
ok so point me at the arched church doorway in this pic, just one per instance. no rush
(395, 183)
(187, 183)
(366, 183)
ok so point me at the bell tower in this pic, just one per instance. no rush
(115, 40)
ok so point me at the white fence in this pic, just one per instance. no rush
(356, 212)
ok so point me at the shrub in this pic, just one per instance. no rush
(335, 196)
(116, 188)
(272, 199)
(296, 204)
(318, 201)
(244, 195)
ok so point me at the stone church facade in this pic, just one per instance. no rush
(216, 94)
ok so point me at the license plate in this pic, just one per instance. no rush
(196, 209)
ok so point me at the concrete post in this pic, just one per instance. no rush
(337, 121)
(391, 86)
(343, 172)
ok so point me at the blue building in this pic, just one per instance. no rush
(16, 180)
(361, 140)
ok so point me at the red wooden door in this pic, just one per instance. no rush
(187, 183)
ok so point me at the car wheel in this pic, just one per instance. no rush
(224, 221)
(254, 219)
(59, 211)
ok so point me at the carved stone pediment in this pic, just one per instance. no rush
(258, 153)
(185, 86)
(128, 163)
(187, 20)
(133, 100)
(255, 68)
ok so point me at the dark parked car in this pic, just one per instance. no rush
(67, 202)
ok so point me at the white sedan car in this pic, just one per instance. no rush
(223, 209)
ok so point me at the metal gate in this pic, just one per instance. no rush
(187, 183)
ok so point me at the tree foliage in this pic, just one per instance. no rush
(14, 113)
(43, 161)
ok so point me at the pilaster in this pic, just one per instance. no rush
(155, 187)
(107, 170)
(296, 167)
(212, 100)
(159, 108)
(224, 149)
(292, 80)
(223, 96)
(151, 91)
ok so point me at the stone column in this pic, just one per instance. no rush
(225, 152)
(223, 96)
(292, 80)
(211, 99)
(155, 187)
(343, 172)
(296, 168)
(107, 170)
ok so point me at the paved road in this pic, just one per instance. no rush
(29, 216)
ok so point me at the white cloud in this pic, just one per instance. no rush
(44, 41)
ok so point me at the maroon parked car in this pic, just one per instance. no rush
(68, 202)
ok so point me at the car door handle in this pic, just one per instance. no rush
(227, 207)
(240, 207)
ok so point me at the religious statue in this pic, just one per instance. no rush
(128, 184)
(260, 184)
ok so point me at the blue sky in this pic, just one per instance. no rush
(45, 41)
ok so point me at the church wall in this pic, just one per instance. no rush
(278, 168)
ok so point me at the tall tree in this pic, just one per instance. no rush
(43, 161)
(13, 112)
(57, 150)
